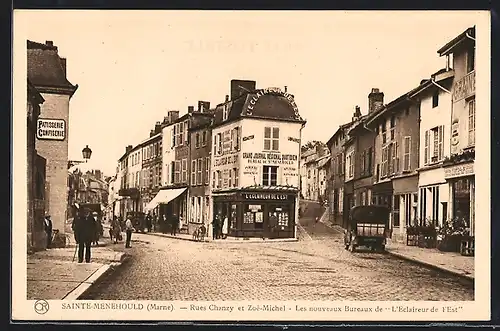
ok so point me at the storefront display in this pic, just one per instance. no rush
(260, 214)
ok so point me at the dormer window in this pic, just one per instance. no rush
(225, 112)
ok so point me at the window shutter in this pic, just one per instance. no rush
(440, 142)
(396, 155)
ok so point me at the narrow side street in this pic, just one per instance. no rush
(317, 267)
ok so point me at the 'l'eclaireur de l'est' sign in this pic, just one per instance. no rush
(50, 129)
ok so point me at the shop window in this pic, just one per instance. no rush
(278, 216)
(271, 138)
(472, 122)
(461, 200)
(253, 215)
(270, 176)
(234, 216)
(395, 213)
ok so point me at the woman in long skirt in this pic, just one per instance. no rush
(225, 228)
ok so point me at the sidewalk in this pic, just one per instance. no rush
(52, 274)
(189, 237)
(449, 262)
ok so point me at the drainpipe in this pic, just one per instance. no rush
(442, 88)
(468, 36)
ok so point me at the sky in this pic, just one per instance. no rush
(132, 67)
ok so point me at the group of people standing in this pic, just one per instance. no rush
(220, 227)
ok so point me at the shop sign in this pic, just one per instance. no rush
(251, 171)
(51, 129)
(290, 172)
(459, 170)
(224, 160)
(295, 140)
(265, 196)
(465, 87)
(248, 137)
(274, 158)
(272, 90)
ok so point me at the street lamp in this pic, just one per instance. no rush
(86, 152)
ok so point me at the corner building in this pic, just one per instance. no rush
(255, 162)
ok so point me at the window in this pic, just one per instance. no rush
(341, 163)
(395, 214)
(219, 179)
(383, 129)
(177, 172)
(271, 139)
(225, 112)
(184, 171)
(236, 176)
(369, 161)
(362, 160)
(426, 147)
(384, 166)
(214, 174)
(199, 171)
(471, 59)
(229, 178)
(235, 138)
(406, 153)
(435, 99)
(193, 172)
(270, 176)
(174, 137)
(219, 143)
(393, 125)
(186, 131)
(472, 122)
(204, 138)
(197, 140)
(395, 157)
(207, 169)
(350, 165)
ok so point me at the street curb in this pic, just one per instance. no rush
(94, 278)
(430, 265)
(227, 242)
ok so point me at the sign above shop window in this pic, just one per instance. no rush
(275, 91)
(51, 129)
(265, 196)
(465, 87)
(459, 170)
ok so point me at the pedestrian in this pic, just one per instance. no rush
(129, 228)
(84, 231)
(215, 228)
(97, 227)
(175, 224)
(225, 226)
(149, 222)
(48, 229)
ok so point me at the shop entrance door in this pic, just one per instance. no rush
(280, 220)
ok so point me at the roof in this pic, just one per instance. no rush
(340, 129)
(46, 68)
(452, 44)
(260, 104)
(427, 83)
(34, 93)
(323, 161)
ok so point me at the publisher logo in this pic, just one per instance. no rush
(41, 307)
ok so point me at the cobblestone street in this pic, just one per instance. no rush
(315, 268)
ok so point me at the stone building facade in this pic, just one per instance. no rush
(47, 73)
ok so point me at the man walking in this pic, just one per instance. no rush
(129, 228)
(48, 229)
(84, 230)
(175, 224)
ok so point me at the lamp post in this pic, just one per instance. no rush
(87, 153)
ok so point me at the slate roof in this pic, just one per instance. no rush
(268, 106)
(450, 46)
(45, 67)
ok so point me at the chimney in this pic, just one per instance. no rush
(203, 106)
(49, 43)
(190, 109)
(286, 88)
(165, 119)
(151, 133)
(63, 64)
(173, 115)
(375, 100)
(128, 148)
(98, 174)
(157, 127)
(239, 87)
(227, 98)
(357, 113)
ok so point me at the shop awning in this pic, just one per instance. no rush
(164, 196)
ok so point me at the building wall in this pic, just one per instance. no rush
(168, 155)
(228, 162)
(286, 158)
(56, 154)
